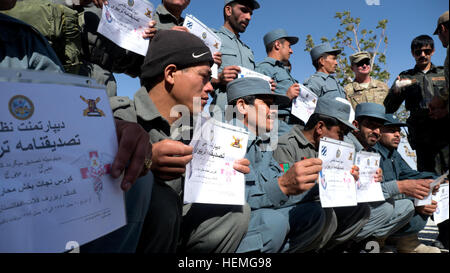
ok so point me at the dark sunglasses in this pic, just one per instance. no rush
(427, 51)
(363, 62)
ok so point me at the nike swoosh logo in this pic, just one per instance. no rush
(198, 56)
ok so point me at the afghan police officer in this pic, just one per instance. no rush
(237, 16)
(278, 223)
(175, 71)
(278, 47)
(332, 118)
(364, 88)
(418, 87)
(412, 183)
(323, 83)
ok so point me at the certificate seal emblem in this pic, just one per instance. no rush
(130, 3)
(21, 107)
(204, 35)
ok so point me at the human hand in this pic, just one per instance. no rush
(355, 172)
(228, 74)
(427, 209)
(242, 165)
(169, 159)
(401, 83)
(150, 31)
(417, 188)
(180, 28)
(273, 85)
(300, 177)
(378, 177)
(134, 149)
(99, 3)
(293, 91)
(217, 58)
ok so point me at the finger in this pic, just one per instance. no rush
(173, 161)
(172, 148)
(135, 168)
(241, 168)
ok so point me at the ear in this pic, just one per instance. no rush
(242, 107)
(169, 74)
(355, 123)
(319, 128)
(228, 10)
(277, 45)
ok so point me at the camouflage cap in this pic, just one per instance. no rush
(442, 19)
(359, 56)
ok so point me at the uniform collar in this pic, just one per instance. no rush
(228, 32)
(273, 61)
(145, 108)
(300, 137)
(357, 85)
(432, 68)
(323, 75)
(161, 9)
(383, 150)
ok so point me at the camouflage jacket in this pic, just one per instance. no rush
(376, 92)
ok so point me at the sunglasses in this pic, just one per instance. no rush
(427, 51)
(363, 62)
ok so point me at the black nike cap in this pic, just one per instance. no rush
(174, 47)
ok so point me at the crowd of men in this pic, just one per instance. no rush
(282, 211)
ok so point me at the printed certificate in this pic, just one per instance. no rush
(57, 145)
(210, 176)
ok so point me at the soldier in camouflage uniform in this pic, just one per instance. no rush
(428, 134)
(364, 88)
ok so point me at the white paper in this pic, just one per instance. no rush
(441, 213)
(367, 190)
(427, 200)
(245, 72)
(200, 30)
(55, 185)
(123, 22)
(336, 184)
(210, 177)
(405, 150)
(304, 105)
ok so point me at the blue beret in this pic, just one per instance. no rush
(251, 86)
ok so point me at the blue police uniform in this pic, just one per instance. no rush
(234, 52)
(325, 85)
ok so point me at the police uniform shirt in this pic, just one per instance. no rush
(325, 85)
(234, 52)
(395, 168)
(276, 70)
(261, 184)
(143, 111)
(375, 92)
(294, 147)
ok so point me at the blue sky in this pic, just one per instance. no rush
(406, 20)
